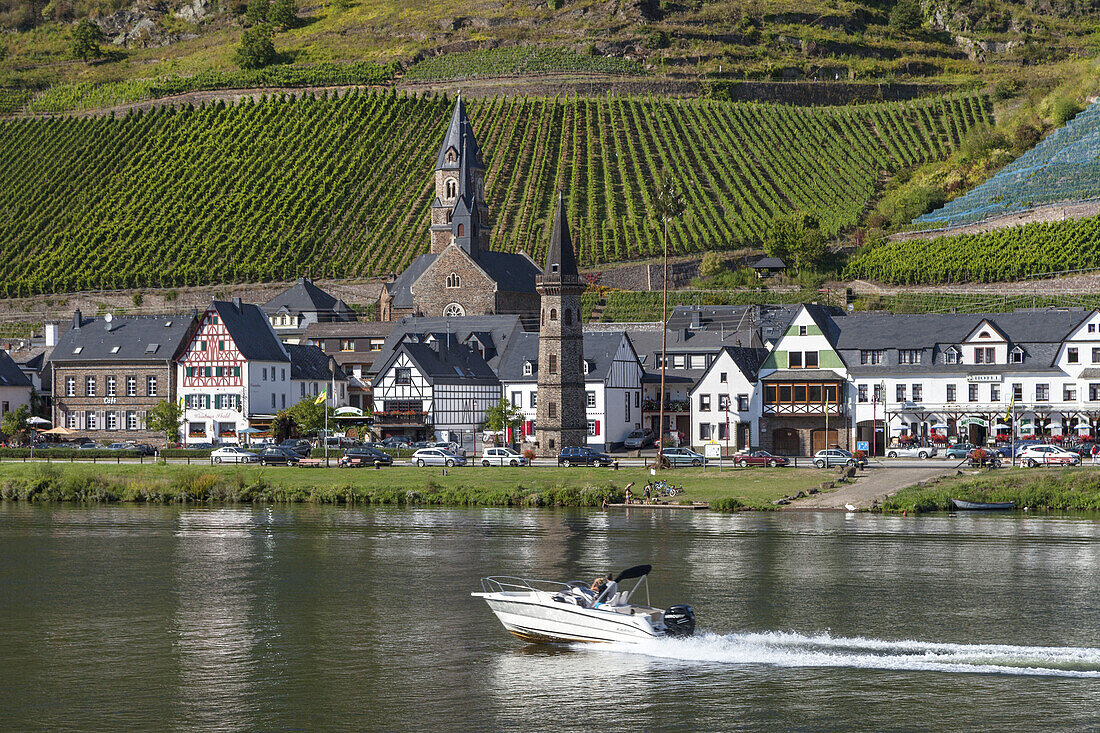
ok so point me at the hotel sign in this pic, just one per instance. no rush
(984, 378)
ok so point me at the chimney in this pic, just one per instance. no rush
(51, 335)
(695, 318)
(237, 304)
(77, 318)
(194, 313)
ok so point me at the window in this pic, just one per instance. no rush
(811, 360)
(723, 433)
(283, 371)
(1016, 356)
(1096, 356)
(1094, 392)
(112, 420)
(794, 360)
(899, 393)
(454, 281)
(111, 391)
(704, 431)
(951, 356)
(131, 386)
(584, 366)
(742, 403)
(151, 386)
(909, 356)
(202, 346)
(704, 402)
(221, 346)
(70, 420)
(590, 399)
(452, 189)
(534, 400)
(722, 378)
(89, 420)
(1042, 392)
(453, 310)
(70, 386)
(861, 391)
(985, 355)
(802, 330)
(972, 393)
(626, 414)
(678, 361)
(1071, 355)
(552, 410)
(347, 344)
(918, 393)
(994, 393)
(528, 368)
(871, 357)
(272, 400)
(637, 399)
(517, 399)
(697, 361)
(89, 386)
(593, 430)
(462, 230)
(263, 375)
(1018, 392)
(553, 363)
(951, 390)
(1092, 328)
(132, 422)
(879, 393)
(214, 320)
(1069, 392)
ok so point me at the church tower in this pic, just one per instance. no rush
(560, 419)
(459, 213)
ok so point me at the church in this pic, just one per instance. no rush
(461, 275)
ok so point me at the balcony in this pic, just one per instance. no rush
(670, 406)
(394, 419)
(804, 408)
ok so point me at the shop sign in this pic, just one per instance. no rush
(984, 378)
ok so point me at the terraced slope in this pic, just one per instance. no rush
(1063, 167)
(341, 186)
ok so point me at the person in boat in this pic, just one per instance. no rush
(599, 584)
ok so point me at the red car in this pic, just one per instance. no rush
(760, 458)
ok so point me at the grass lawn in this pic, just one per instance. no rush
(755, 487)
(1060, 489)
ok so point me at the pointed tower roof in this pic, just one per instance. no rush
(466, 145)
(561, 261)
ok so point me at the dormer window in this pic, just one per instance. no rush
(951, 356)
(454, 281)
(452, 156)
(584, 366)
(528, 368)
(554, 269)
(1016, 356)
(983, 335)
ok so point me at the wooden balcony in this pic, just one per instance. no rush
(401, 419)
(804, 408)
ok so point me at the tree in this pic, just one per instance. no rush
(797, 239)
(86, 39)
(712, 265)
(257, 10)
(501, 416)
(257, 49)
(166, 418)
(308, 416)
(905, 16)
(282, 426)
(668, 205)
(283, 13)
(14, 424)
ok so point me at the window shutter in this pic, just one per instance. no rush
(101, 420)
(597, 431)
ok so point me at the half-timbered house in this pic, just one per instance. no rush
(234, 374)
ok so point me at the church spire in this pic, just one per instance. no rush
(465, 146)
(561, 261)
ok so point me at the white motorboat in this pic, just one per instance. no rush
(553, 611)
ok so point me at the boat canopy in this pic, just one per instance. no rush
(638, 571)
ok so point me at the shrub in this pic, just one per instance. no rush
(728, 504)
(257, 49)
(712, 265)
(906, 15)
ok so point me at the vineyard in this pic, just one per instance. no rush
(1004, 254)
(340, 186)
(1063, 167)
(517, 60)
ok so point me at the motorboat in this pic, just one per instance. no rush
(565, 612)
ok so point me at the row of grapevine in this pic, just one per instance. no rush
(517, 60)
(341, 186)
(1003, 254)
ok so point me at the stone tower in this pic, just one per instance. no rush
(560, 419)
(459, 214)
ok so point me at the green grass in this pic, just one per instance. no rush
(755, 488)
(1037, 489)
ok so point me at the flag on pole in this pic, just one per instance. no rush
(321, 397)
(1011, 404)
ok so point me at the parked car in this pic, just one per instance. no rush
(90, 446)
(278, 456)
(502, 457)
(1048, 455)
(300, 446)
(117, 446)
(452, 446)
(233, 454)
(396, 441)
(423, 444)
(836, 457)
(436, 457)
(143, 448)
(363, 456)
(200, 446)
(683, 457)
(582, 455)
(640, 439)
(760, 458)
(958, 450)
(914, 451)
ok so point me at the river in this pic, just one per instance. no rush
(306, 617)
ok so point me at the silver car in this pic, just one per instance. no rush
(436, 457)
(918, 451)
(502, 457)
(233, 454)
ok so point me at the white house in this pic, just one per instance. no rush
(726, 401)
(234, 374)
(613, 384)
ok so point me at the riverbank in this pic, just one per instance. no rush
(752, 488)
(1037, 489)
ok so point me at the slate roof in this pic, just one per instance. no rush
(137, 338)
(401, 288)
(310, 362)
(512, 271)
(768, 321)
(305, 297)
(747, 360)
(348, 329)
(251, 331)
(499, 328)
(599, 349)
(769, 263)
(443, 362)
(914, 331)
(561, 260)
(10, 373)
(453, 138)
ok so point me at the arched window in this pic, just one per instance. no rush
(462, 230)
(452, 156)
(568, 314)
(453, 310)
(528, 368)
(449, 214)
(453, 281)
(452, 188)
(553, 314)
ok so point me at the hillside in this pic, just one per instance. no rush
(340, 187)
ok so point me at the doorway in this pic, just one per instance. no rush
(785, 441)
(822, 439)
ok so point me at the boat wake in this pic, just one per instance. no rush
(781, 649)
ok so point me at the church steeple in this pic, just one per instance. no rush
(561, 261)
(465, 219)
(459, 214)
(463, 145)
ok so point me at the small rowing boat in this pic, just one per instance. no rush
(983, 505)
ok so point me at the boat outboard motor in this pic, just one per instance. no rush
(680, 621)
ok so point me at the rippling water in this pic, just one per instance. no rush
(321, 617)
